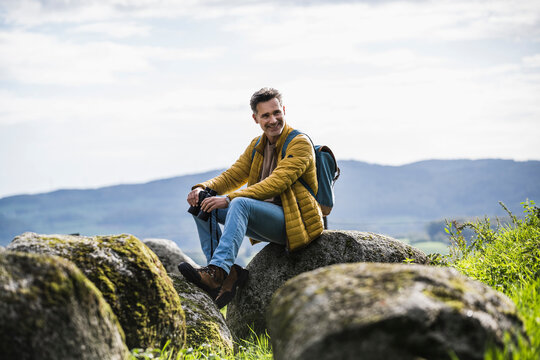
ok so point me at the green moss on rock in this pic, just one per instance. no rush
(131, 278)
(50, 310)
(387, 311)
(204, 321)
(449, 297)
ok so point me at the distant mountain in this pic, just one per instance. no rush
(394, 200)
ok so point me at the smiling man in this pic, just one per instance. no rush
(274, 207)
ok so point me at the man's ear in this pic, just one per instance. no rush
(255, 118)
(283, 109)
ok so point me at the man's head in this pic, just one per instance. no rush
(269, 112)
(264, 95)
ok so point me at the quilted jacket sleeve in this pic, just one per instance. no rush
(298, 157)
(234, 177)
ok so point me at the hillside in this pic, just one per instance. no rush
(395, 200)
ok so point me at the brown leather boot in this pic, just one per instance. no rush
(209, 278)
(237, 278)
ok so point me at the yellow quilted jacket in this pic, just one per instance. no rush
(303, 216)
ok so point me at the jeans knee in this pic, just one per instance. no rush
(239, 202)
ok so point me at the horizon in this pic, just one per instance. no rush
(124, 91)
(143, 182)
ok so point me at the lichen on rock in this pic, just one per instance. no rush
(130, 276)
(273, 265)
(387, 311)
(204, 321)
(50, 310)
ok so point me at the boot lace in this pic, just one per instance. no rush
(209, 270)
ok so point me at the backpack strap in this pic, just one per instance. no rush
(255, 148)
(289, 138)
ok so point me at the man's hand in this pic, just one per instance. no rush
(214, 202)
(193, 196)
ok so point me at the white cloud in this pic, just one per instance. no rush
(114, 29)
(361, 23)
(532, 61)
(44, 59)
(29, 13)
(184, 103)
(343, 52)
(34, 12)
(366, 22)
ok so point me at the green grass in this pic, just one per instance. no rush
(506, 258)
(502, 257)
(255, 348)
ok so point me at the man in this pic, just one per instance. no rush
(274, 207)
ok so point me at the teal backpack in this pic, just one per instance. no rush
(327, 173)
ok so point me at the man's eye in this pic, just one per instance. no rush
(277, 112)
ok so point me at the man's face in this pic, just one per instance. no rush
(271, 117)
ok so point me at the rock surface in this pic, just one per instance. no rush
(50, 310)
(204, 321)
(387, 311)
(169, 254)
(272, 266)
(131, 278)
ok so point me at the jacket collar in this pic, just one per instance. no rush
(279, 144)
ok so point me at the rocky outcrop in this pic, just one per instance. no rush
(50, 310)
(204, 321)
(131, 278)
(387, 311)
(169, 254)
(272, 266)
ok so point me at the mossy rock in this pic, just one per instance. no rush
(50, 310)
(273, 265)
(204, 321)
(388, 311)
(130, 276)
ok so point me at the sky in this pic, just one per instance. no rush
(95, 93)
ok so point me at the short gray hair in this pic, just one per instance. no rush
(263, 95)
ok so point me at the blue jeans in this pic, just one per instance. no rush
(260, 220)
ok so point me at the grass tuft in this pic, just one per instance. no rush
(507, 258)
(254, 348)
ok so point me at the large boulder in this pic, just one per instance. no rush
(204, 321)
(273, 265)
(50, 310)
(387, 311)
(131, 278)
(169, 254)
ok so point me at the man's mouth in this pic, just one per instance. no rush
(274, 125)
